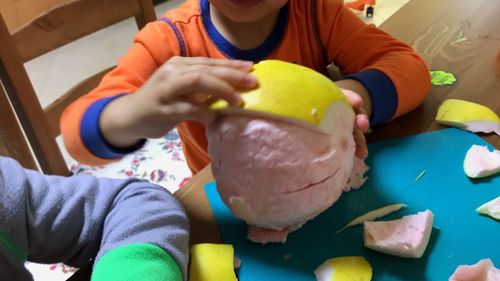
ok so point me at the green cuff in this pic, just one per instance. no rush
(11, 248)
(137, 262)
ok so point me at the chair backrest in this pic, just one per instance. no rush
(57, 27)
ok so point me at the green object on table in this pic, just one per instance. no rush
(439, 78)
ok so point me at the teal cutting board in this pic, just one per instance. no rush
(460, 235)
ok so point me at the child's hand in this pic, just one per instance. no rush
(362, 123)
(176, 92)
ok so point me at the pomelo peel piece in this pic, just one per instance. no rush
(479, 162)
(291, 91)
(406, 237)
(372, 215)
(491, 208)
(212, 262)
(344, 269)
(484, 270)
(469, 116)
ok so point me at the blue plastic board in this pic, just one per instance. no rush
(460, 235)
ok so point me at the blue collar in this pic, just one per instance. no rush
(257, 54)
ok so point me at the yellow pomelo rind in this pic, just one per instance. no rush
(212, 262)
(344, 269)
(468, 115)
(289, 90)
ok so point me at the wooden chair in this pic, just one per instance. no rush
(47, 32)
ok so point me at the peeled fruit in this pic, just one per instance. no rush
(287, 154)
(491, 208)
(484, 270)
(344, 269)
(479, 162)
(469, 116)
(212, 262)
(406, 237)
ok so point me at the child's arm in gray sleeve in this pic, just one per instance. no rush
(75, 219)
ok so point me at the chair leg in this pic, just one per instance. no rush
(147, 14)
(12, 141)
(27, 108)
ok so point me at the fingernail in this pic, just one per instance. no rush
(250, 80)
(238, 100)
(365, 119)
(362, 153)
(246, 64)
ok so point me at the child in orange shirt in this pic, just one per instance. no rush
(177, 61)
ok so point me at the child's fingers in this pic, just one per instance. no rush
(199, 98)
(205, 83)
(247, 65)
(236, 77)
(362, 122)
(361, 146)
(203, 115)
(239, 79)
(354, 98)
(185, 110)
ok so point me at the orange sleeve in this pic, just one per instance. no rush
(152, 46)
(355, 48)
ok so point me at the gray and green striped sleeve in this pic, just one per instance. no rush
(131, 229)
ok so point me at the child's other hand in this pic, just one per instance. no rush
(362, 123)
(176, 92)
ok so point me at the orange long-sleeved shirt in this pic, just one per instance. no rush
(312, 33)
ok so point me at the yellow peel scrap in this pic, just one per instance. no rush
(344, 269)
(469, 116)
(372, 215)
(212, 262)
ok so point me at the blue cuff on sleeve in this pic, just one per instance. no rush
(92, 136)
(382, 92)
